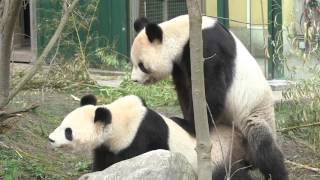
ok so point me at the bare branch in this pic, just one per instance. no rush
(33, 70)
(5, 115)
(303, 166)
(299, 127)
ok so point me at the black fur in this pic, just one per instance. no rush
(140, 23)
(239, 171)
(181, 76)
(219, 52)
(102, 115)
(142, 68)
(266, 155)
(68, 134)
(151, 135)
(88, 99)
(219, 66)
(185, 125)
(154, 32)
(103, 158)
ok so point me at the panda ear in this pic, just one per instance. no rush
(154, 32)
(140, 23)
(102, 115)
(88, 99)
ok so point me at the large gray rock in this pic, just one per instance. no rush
(153, 165)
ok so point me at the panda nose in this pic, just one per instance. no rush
(51, 140)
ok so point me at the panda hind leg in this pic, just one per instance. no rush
(265, 153)
(239, 171)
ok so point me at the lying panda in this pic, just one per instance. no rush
(127, 128)
(236, 89)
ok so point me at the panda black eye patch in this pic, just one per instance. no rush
(143, 69)
(68, 134)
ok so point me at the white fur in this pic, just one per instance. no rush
(249, 91)
(127, 114)
(226, 144)
(221, 138)
(249, 95)
(180, 141)
(87, 135)
(158, 57)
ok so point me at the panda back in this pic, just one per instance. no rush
(181, 141)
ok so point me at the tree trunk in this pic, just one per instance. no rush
(198, 91)
(9, 10)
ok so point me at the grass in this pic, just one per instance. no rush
(23, 165)
(17, 164)
(26, 153)
(155, 95)
(28, 156)
(65, 80)
(302, 108)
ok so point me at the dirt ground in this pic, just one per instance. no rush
(27, 146)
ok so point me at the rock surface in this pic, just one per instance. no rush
(153, 165)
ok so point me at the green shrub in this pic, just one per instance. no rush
(159, 94)
(302, 109)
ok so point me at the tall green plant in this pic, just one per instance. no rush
(301, 113)
(79, 40)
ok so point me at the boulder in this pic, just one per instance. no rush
(153, 165)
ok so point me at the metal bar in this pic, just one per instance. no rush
(250, 24)
(275, 41)
(165, 10)
(203, 6)
(134, 8)
(223, 12)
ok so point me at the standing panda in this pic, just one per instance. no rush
(236, 89)
(127, 128)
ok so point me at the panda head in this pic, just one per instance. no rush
(156, 47)
(84, 127)
(91, 125)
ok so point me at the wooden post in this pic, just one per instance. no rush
(198, 91)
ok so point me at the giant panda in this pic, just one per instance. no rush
(236, 89)
(127, 128)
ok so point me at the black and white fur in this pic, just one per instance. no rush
(127, 128)
(236, 89)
